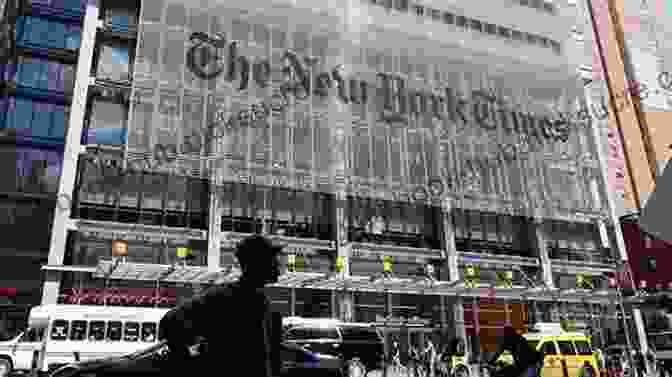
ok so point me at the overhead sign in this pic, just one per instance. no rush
(654, 218)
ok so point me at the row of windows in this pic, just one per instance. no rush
(40, 32)
(34, 119)
(115, 331)
(62, 4)
(89, 252)
(38, 73)
(462, 21)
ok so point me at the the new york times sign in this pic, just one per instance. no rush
(212, 56)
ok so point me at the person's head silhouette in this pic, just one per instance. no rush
(258, 258)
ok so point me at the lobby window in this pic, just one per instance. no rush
(573, 241)
(392, 223)
(556, 47)
(490, 29)
(39, 73)
(32, 119)
(516, 35)
(436, 14)
(106, 123)
(491, 233)
(448, 18)
(113, 62)
(42, 32)
(293, 213)
(368, 305)
(548, 7)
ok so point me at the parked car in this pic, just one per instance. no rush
(296, 362)
(359, 346)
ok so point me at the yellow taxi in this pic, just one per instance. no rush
(566, 354)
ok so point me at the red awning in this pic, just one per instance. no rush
(7, 292)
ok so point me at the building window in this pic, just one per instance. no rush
(476, 25)
(19, 215)
(401, 5)
(530, 38)
(293, 213)
(393, 223)
(106, 195)
(504, 32)
(461, 21)
(448, 18)
(368, 306)
(121, 16)
(113, 62)
(490, 29)
(515, 34)
(43, 74)
(419, 10)
(106, 124)
(436, 14)
(548, 7)
(41, 32)
(33, 119)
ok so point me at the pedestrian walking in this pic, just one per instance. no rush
(230, 312)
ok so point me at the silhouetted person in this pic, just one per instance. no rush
(527, 362)
(234, 318)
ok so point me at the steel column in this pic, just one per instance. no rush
(71, 153)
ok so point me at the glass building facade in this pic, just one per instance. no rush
(37, 84)
(367, 132)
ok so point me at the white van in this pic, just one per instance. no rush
(61, 334)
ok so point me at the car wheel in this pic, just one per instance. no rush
(354, 368)
(461, 372)
(5, 367)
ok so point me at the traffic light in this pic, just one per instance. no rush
(583, 282)
(291, 263)
(471, 276)
(505, 279)
(339, 265)
(387, 265)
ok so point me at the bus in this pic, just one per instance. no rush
(62, 334)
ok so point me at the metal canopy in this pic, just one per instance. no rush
(165, 273)
(329, 281)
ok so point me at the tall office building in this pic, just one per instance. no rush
(37, 88)
(409, 155)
